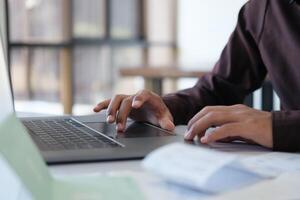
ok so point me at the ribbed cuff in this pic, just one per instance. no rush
(286, 130)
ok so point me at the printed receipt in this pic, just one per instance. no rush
(273, 164)
(285, 186)
(186, 164)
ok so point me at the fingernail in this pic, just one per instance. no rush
(166, 124)
(119, 127)
(204, 139)
(110, 118)
(187, 135)
(170, 126)
(136, 103)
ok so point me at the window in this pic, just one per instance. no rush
(99, 36)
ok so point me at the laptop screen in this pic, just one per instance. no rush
(6, 103)
(3, 25)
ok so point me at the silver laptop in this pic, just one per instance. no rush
(83, 138)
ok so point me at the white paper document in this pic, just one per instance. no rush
(185, 164)
(272, 164)
(281, 188)
(215, 172)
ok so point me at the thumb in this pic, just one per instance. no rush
(166, 123)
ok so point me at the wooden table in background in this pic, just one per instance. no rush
(154, 76)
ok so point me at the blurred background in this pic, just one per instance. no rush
(67, 55)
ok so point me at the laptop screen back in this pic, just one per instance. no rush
(3, 25)
(6, 103)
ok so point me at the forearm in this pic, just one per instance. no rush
(239, 71)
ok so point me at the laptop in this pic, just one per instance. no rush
(64, 139)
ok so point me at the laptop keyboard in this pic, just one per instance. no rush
(66, 134)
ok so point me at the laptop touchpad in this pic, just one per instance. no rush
(133, 130)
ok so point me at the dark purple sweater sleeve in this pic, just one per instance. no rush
(238, 72)
(286, 130)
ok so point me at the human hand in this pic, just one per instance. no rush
(232, 122)
(144, 106)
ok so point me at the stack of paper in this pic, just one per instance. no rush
(197, 168)
(272, 164)
(214, 171)
(282, 188)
